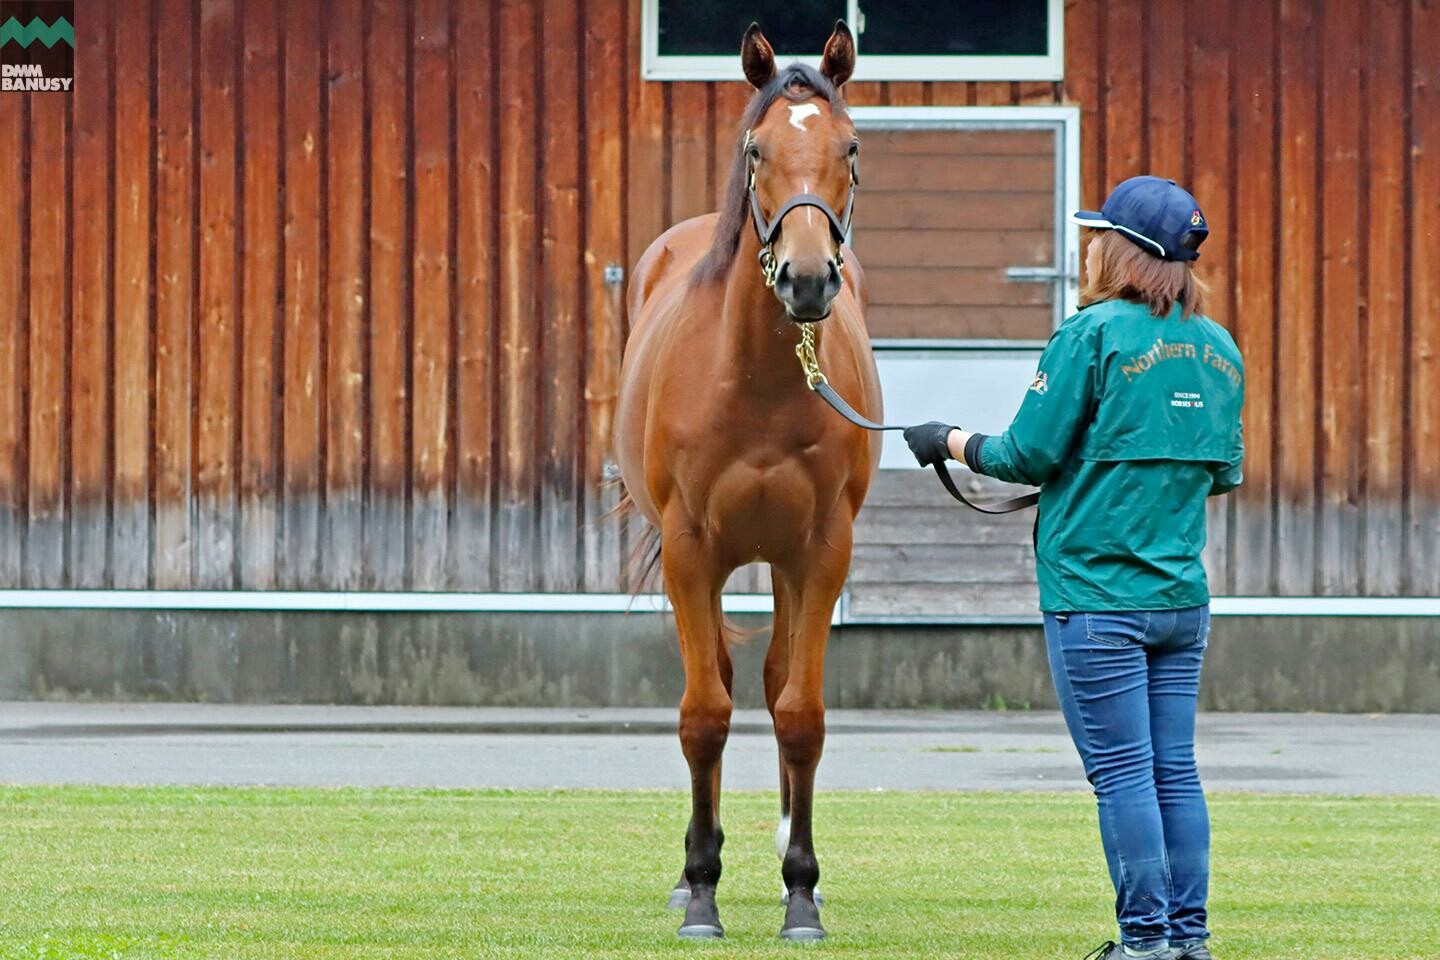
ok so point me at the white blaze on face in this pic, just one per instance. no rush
(802, 112)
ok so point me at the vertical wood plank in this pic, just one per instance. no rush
(13, 336)
(475, 212)
(993, 94)
(1038, 93)
(173, 272)
(562, 236)
(604, 84)
(214, 480)
(1124, 96)
(302, 474)
(89, 432)
(1166, 118)
(262, 311)
(385, 544)
(1341, 397)
(730, 102)
(858, 93)
(910, 93)
(341, 555)
(1295, 366)
(1256, 215)
(1384, 235)
(1084, 58)
(519, 234)
(946, 94)
(646, 150)
(49, 346)
(430, 345)
(690, 148)
(130, 522)
(1208, 174)
(1424, 548)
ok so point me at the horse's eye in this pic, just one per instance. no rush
(754, 153)
(855, 148)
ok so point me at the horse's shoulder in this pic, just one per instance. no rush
(671, 254)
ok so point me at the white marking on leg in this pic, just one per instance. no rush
(801, 112)
(782, 837)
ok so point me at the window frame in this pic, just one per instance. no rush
(1047, 67)
(1064, 121)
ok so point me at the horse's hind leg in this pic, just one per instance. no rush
(814, 582)
(693, 582)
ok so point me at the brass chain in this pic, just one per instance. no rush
(769, 266)
(809, 362)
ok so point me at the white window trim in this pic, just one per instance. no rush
(1067, 118)
(1050, 67)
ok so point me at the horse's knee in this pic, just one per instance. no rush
(704, 728)
(799, 729)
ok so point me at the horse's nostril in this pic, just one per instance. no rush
(832, 281)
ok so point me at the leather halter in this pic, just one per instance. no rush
(767, 229)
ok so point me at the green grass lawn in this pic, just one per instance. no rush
(315, 874)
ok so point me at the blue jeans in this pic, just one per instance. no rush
(1127, 684)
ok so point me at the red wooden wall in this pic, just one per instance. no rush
(309, 294)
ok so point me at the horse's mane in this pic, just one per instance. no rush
(795, 82)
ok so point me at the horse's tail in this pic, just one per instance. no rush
(642, 568)
(642, 565)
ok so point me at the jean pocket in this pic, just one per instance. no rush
(1116, 629)
(1202, 629)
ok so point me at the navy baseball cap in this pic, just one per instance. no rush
(1155, 214)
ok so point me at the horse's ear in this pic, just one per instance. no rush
(758, 57)
(839, 60)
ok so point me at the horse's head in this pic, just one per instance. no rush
(801, 157)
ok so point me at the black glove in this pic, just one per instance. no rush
(930, 441)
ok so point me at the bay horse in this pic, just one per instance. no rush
(733, 460)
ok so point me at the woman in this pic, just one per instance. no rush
(1133, 419)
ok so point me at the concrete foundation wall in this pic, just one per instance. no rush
(1323, 664)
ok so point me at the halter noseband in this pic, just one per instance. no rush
(767, 230)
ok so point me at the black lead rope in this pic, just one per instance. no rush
(838, 404)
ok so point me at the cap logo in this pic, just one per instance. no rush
(1196, 220)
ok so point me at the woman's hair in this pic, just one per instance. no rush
(1126, 272)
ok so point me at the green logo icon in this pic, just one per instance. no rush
(48, 34)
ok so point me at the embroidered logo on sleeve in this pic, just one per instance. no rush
(1041, 383)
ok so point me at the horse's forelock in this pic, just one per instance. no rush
(795, 82)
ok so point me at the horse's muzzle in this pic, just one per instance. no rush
(808, 293)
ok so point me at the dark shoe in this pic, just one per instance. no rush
(1110, 950)
(1196, 951)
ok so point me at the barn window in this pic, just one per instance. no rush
(961, 39)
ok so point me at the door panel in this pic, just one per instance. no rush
(941, 217)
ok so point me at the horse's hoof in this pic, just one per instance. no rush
(703, 931)
(803, 934)
(785, 898)
(679, 899)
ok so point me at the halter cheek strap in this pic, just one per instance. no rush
(767, 229)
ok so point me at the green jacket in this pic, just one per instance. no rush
(1131, 422)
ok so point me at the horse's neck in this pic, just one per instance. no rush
(759, 340)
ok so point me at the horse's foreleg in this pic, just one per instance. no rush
(799, 714)
(693, 583)
(680, 893)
